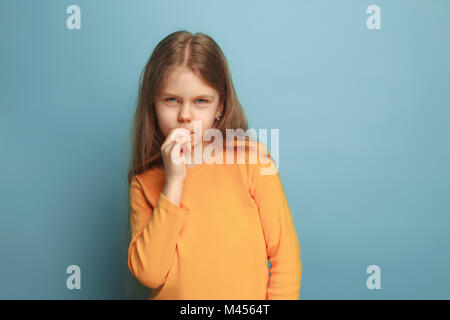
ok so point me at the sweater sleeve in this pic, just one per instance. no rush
(282, 245)
(154, 235)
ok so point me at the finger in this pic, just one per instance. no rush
(168, 146)
(167, 140)
(175, 144)
(175, 155)
(176, 134)
(179, 132)
(165, 144)
(185, 148)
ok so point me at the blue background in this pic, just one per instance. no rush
(364, 137)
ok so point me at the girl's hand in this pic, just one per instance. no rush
(173, 152)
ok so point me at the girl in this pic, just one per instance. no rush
(202, 230)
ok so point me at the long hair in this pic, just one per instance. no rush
(201, 54)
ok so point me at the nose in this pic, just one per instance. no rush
(184, 116)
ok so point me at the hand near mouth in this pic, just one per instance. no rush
(174, 150)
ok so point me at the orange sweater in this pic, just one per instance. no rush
(215, 245)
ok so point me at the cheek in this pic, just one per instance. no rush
(208, 122)
(165, 121)
(206, 125)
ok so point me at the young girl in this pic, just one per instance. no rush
(203, 230)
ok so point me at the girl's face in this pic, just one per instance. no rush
(185, 98)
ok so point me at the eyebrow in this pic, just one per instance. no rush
(199, 96)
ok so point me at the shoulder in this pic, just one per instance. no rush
(253, 150)
(147, 184)
(139, 179)
(252, 157)
(260, 160)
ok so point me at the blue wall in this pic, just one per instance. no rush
(364, 125)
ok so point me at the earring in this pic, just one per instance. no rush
(218, 118)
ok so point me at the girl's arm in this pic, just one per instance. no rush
(283, 248)
(173, 190)
(154, 234)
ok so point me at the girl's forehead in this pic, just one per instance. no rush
(183, 76)
(188, 91)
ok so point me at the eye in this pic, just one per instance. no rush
(206, 101)
(167, 99)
